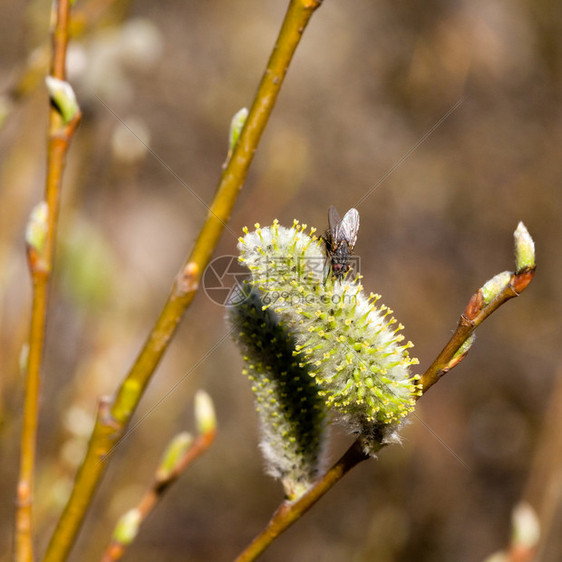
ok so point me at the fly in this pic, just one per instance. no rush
(340, 240)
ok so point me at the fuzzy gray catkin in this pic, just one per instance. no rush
(291, 412)
(350, 346)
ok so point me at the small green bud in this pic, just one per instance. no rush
(526, 526)
(524, 249)
(204, 413)
(525, 534)
(63, 97)
(236, 126)
(173, 454)
(127, 527)
(463, 349)
(37, 227)
(495, 286)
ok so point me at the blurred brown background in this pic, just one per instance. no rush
(369, 82)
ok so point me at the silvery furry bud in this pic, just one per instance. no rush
(236, 126)
(351, 347)
(63, 97)
(524, 249)
(173, 454)
(37, 227)
(127, 527)
(205, 413)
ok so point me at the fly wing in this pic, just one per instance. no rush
(333, 219)
(348, 227)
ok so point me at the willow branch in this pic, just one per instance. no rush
(114, 413)
(128, 526)
(475, 313)
(179, 454)
(40, 260)
(290, 511)
(83, 19)
(481, 305)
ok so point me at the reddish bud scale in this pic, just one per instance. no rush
(474, 305)
(521, 280)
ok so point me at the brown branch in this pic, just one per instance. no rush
(115, 413)
(475, 313)
(40, 263)
(289, 512)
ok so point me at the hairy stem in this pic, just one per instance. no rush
(115, 412)
(59, 137)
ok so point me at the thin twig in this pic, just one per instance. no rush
(59, 137)
(114, 413)
(476, 312)
(84, 19)
(289, 512)
(116, 549)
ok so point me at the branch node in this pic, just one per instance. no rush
(473, 307)
(188, 279)
(104, 413)
(521, 281)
